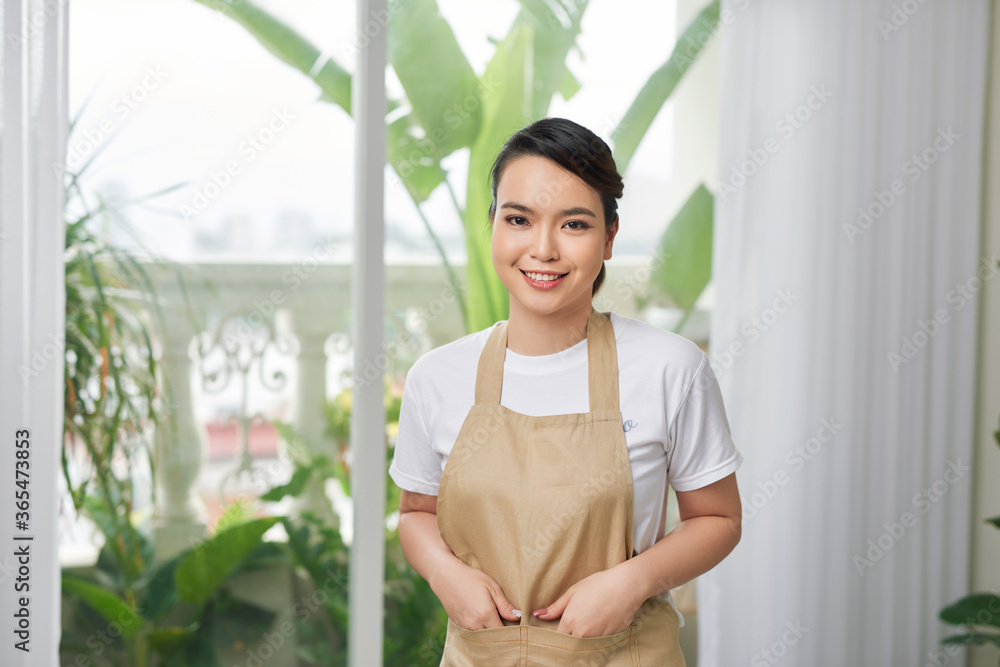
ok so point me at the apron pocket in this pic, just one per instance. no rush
(489, 646)
(549, 647)
(515, 645)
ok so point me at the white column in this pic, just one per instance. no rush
(309, 420)
(180, 447)
(368, 307)
(33, 100)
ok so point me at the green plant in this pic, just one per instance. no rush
(175, 613)
(415, 622)
(111, 396)
(311, 466)
(112, 399)
(979, 613)
(320, 552)
(682, 264)
(110, 369)
(448, 107)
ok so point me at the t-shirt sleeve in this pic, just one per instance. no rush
(415, 465)
(701, 446)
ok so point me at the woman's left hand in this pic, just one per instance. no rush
(601, 604)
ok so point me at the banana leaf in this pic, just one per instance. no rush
(661, 84)
(682, 266)
(510, 70)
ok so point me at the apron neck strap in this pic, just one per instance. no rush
(602, 359)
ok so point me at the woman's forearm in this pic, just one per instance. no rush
(422, 545)
(692, 548)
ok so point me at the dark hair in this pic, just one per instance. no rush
(574, 148)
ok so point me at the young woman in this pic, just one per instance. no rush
(534, 455)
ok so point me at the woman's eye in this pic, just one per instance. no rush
(517, 220)
(577, 224)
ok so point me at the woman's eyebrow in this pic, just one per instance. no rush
(578, 210)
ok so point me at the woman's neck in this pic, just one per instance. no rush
(531, 335)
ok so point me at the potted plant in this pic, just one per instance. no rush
(979, 613)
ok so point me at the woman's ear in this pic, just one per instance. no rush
(611, 231)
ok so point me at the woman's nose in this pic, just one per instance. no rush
(544, 245)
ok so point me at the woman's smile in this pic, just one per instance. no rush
(543, 279)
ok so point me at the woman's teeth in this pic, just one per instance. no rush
(544, 277)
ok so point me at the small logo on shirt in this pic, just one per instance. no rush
(628, 425)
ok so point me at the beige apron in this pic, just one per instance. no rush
(539, 503)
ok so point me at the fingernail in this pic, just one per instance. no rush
(538, 612)
(517, 612)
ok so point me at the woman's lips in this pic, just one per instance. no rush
(543, 284)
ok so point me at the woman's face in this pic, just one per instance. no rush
(549, 237)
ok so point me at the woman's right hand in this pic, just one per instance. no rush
(471, 597)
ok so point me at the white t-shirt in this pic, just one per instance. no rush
(672, 412)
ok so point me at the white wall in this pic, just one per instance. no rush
(986, 467)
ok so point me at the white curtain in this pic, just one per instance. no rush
(33, 128)
(845, 341)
